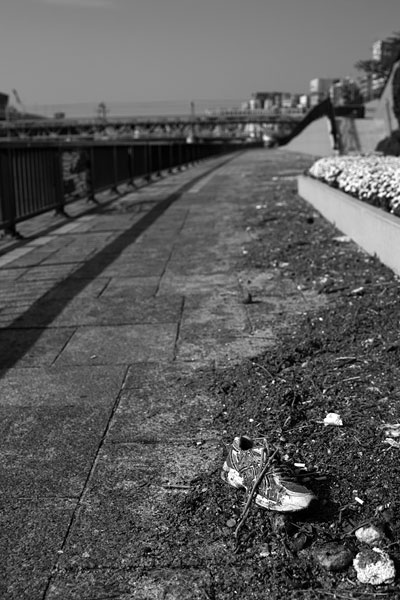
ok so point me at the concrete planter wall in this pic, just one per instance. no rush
(376, 231)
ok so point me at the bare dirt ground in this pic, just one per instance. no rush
(342, 357)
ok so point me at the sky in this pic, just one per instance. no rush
(73, 51)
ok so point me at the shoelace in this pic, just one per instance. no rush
(285, 472)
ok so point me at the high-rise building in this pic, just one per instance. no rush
(381, 50)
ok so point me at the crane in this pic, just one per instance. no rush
(19, 101)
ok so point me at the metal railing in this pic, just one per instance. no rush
(37, 177)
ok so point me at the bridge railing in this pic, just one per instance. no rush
(36, 177)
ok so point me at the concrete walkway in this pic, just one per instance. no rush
(103, 322)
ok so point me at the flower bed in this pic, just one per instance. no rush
(372, 178)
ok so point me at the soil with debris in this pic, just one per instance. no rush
(342, 358)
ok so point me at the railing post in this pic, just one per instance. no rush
(59, 191)
(115, 170)
(148, 161)
(7, 193)
(131, 154)
(170, 156)
(160, 160)
(89, 159)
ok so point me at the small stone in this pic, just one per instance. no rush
(369, 534)
(231, 523)
(333, 556)
(374, 566)
(279, 523)
(299, 541)
(265, 550)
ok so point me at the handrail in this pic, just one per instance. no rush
(39, 176)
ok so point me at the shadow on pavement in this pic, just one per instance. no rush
(80, 278)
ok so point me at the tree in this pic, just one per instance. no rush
(396, 94)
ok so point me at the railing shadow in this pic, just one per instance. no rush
(44, 310)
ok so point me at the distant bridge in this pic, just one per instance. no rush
(232, 123)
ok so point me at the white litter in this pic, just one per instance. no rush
(391, 430)
(333, 419)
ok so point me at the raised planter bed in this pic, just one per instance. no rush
(375, 230)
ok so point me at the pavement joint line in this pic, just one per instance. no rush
(14, 255)
(40, 241)
(66, 228)
(201, 184)
(106, 285)
(171, 252)
(178, 330)
(64, 346)
(88, 480)
(88, 325)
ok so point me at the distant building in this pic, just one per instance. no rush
(304, 101)
(381, 50)
(275, 101)
(319, 89)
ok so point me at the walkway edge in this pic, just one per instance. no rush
(376, 231)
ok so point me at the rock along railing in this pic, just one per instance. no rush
(36, 177)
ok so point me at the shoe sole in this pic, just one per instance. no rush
(232, 477)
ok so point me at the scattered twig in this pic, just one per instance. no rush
(253, 491)
(176, 486)
(263, 368)
(363, 524)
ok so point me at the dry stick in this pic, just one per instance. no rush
(252, 493)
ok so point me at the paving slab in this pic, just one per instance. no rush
(160, 415)
(202, 344)
(33, 532)
(49, 450)
(106, 310)
(156, 584)
(132, 287)
(61, 386)
(11, 274)
(73, 288)
(198, 283)
(53, 272)
(32, 347)
(119, 268)
(120, 514)
(151, 375)
(120, 345)
(30, 257)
